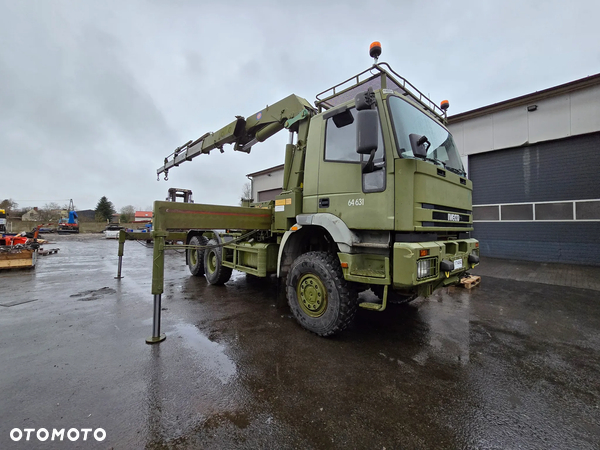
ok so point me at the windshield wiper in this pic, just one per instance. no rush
(447, 167)
(462, 173)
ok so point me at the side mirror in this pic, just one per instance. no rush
(367, 131)
(420, 145)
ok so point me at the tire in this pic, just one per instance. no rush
(195, 257)
(214, 270)
(319, 297)
(393, 297)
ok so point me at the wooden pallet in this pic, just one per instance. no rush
(50, 251)
(471, 281)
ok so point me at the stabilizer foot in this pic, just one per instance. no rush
(156, 340)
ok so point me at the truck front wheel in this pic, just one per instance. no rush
(319, 297)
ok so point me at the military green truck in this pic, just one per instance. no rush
(374, 196)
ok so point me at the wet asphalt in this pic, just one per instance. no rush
(506, 365)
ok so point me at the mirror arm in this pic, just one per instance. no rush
(369, 166)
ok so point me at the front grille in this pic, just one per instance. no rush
(444, 216)
(445, 208)
(446, 224)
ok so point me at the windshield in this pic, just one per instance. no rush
(409, 120)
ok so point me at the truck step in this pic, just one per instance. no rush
(471, 281)
(369, 305)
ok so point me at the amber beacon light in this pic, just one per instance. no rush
(375, 50)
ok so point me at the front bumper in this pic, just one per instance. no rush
(418, 263)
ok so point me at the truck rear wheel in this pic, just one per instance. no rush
(195, 256)
(319, 297)
(214, 270)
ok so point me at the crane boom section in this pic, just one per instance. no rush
(245, 132)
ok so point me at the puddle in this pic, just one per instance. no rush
(211, 354)
(88, 296)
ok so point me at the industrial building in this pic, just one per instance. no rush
(534, 163)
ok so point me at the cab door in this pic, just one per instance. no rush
(358, 198)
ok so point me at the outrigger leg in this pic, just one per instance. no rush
(122, 238)
(158, 274)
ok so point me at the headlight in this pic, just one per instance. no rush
(426, 268)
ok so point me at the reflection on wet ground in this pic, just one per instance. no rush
(506, 365)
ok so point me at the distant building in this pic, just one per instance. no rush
(86, 215)
(143, 216)
(31, 216)
(266, 184)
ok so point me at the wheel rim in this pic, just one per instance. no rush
(212, 262)
(193, 257)
(312, 295)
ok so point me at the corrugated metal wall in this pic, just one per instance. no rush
(564, 171)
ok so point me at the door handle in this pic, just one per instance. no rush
(324, 203)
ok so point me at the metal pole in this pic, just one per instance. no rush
(156, 336)
(118, 277)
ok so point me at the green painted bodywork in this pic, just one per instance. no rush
(287, 206)
(185, 216)
(254, 258)
(366, 268)
(418, 183)
(406, 255)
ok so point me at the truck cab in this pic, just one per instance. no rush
(400, 212)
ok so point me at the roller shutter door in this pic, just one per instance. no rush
(539, 202)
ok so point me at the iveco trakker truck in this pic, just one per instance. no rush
(374, 196)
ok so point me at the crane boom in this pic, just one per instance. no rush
(243, 133)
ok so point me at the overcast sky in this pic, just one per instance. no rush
(94, 95)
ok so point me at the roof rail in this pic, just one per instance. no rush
(379, 76)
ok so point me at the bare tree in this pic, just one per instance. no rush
(9, 205)
(50, 212)
(246, 192)
(127, 213)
